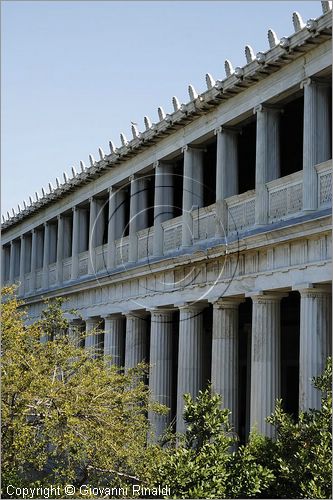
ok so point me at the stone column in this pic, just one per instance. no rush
(74, 332)
(190, 357)
(267, 158)
(163, 203)
(316, 137)
(114, 336)
(3, 265)
(136, 339)
(160, 373)
(226, 174)
(60, 250)
(46, 255)
(112, 223)
(133, 222)
(12, 261)
(315, 340)
(94, 338)
(75, 244)
(192, 190)
(265, 360)
(33, 260)
(225, 354)
(22, 264)
(92, 236)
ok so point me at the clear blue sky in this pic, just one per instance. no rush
(74, 74)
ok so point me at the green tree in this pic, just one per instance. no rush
(67, 417)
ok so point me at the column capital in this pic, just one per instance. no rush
(92, 320)
(195, 307)
(113, 316)
(59, 217)
(163, 311)
(228, 302)
(75, 208)
(132, 177)
(135, 314)
(262, 297)
(22, 237)
(46, 223)
(267, 107)
(225, 128)
(184, 148)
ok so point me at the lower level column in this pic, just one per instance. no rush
(190, 357)
(265, 360)
(136, 339)
(114, 337)
(225, 354)
(94, 338)
(160, 373)
(315, 342)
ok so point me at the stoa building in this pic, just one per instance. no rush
(203, 244)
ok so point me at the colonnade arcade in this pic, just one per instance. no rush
(249, 347)
(237, 160)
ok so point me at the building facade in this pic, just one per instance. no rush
(203, 244)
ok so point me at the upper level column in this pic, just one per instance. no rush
(190, 357)
(136, 339)
(114, 338)
(33, 260)
(163, 203)
(12, 261)
(315, 342)
(265, 359)
(22, 264)
(267, 157)
(226, 173)
(60, 249)
(225, 353)
(192, 190)
(160, 374)
(316, 137)
(92, 235)
(116, 222)
(75, 243)
(46, 255)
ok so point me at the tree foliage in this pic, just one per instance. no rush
(67, 417)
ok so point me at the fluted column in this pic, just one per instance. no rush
(136, 339)
(316, 137)
(12, 262)
(114, 338)
(74, 331)
(163, 202)
(267, 157)
(33, 260)
(192, 190)
(160, 374)
(315, 342)
(112, 222)
(225, 354)
(22, 263)
(133, 222)
(60, 249)
(190, 357)
(75, 243)
(226, 173)
(265, 360)
(92, 236)
(94, 337)
(46, 255)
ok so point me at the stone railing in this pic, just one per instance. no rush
(27, 282)
(66, 269)
(122, 248)
(285, 197)
(172, 234)
(145, 242)
(240, 212)
(83, 263)
(204, 223)
(52, 274)
(324, 172)
(101, 258)
(39, 279)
